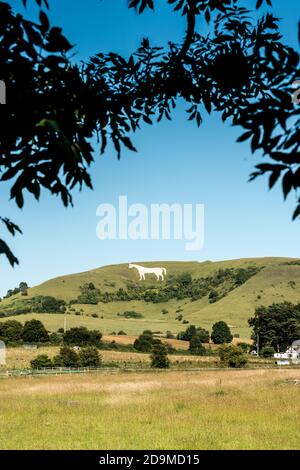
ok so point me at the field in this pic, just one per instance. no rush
(154, 410)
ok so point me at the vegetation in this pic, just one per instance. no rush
(196, 346)
(159, 357)
(81, 336)
(130, 314)
(41, 361)
(34, 332)
(23, 287)
(177, 287)
(221, 333)
(192, 331)
(38, 304)
(232, 356)
(277, 325)
(234, 410)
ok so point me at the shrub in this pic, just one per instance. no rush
(34, 332)
(144, 342)
(81, 336)
(221, 333)
(196, 346)
(169, 335)
(159, 357)
(89, 357)
(268, 351)
(191, 331)
(67, 357)
(131, 314)
(244, 346)
(11, 330)
(164, 311)
(95, 315)
(55, 338)
(41, 361)
(232, 356)
(122, 333)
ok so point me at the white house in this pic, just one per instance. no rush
(293, 352)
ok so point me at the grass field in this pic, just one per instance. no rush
(276, 282)
(154, 410)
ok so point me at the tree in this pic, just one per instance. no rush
(232, 356)
(159, 357)
(192, 331)
(241, 70)
(267, 351)
(67, 357)
(11, 330)
(196, 346)
(277, 325)
(41, 361)
(144, 342)
(89, 357)
(221, 333)
(81, 336)
(34, 332)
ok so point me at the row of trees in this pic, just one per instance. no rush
(220, 333)
(68, 357)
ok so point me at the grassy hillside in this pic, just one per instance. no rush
(278, 280)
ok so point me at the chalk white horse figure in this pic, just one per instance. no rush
(159, 272)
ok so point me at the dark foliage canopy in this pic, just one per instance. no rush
(240, 69)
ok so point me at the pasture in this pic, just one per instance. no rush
(242, 409)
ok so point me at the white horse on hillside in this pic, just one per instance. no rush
(159, 272)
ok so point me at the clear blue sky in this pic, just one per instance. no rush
(176, 162)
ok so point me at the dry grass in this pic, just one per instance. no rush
(166, 410)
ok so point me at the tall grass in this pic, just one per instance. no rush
(200, 410)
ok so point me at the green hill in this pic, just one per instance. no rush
(274, 280)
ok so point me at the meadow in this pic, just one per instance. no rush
(242, 409)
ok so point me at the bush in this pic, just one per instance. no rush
(192, 331)
(268, 351)
(41, 361)
(221, 333)
(95, 315)
(159, 357)
(164, 311)
(67, 357)
(81, 336)
(144, 342)
(89, 357)
(122, 333)
(244, 346)
(34, 332)
(196, 346)
(169, 335)
(55, 338)
(131, 314)
(11, 330)
(232, 356)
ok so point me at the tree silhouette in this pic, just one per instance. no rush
(240, 69)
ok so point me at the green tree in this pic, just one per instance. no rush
(277, 325)
(196, 346)
(34, 332)
(221, 333)
(232, 356)
(144, 342)
(81, 336)
(267, 351)
(11, 330)
(89, 357)
(65, 105)
(41, 361)
(67, 357)
(192, 331)
(159, 357)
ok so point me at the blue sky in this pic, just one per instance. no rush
(176, 162)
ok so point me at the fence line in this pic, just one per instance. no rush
(98, 370)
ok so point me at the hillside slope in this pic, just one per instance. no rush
(278, 280)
